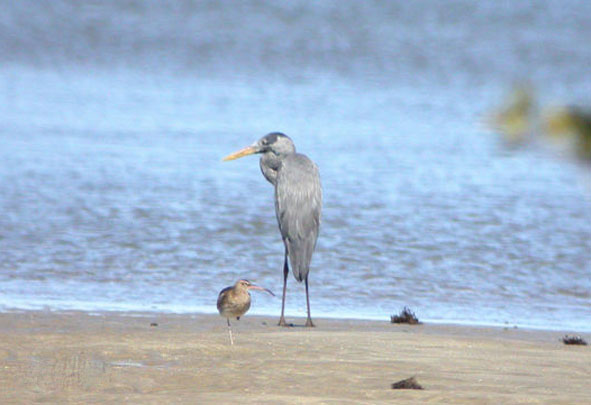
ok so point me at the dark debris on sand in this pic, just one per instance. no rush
(408, 384)
(406, 316)
(573, 340)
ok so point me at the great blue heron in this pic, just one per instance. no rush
(234, 301)
(298, 203)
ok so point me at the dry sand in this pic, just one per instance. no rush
(118, 358)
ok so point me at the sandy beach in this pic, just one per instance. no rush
(76, 357)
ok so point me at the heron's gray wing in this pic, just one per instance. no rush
(298, 205)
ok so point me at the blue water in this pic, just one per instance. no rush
(114, 118)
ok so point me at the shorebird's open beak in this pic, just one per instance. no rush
(249, 150)
(256, 287)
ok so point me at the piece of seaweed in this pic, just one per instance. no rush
(406, 316)
(573, 340)
(407, 384)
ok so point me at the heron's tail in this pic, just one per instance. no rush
(300, 256)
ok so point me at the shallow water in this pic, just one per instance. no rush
(114, 118)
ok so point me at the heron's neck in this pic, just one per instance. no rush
(270, 164)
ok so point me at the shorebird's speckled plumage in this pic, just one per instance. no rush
(234, 301)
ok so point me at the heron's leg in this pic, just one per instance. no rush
(309, 322)
(230, 332)
(285, 273)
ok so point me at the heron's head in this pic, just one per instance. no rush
(275, 142)
(247, 285)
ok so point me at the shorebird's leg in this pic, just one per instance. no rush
(309, 322)
(230, 332)
(285, 273)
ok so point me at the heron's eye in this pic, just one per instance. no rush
(265, 142)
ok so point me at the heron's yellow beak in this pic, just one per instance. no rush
(249, 150)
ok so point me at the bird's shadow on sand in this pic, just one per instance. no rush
(289, 325)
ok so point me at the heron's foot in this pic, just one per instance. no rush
(283, 323)
(310, 324)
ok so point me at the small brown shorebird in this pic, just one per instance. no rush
(234, 301)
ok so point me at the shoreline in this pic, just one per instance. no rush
(77, 357)
(251, 314)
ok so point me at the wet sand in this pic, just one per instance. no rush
(77, 357)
